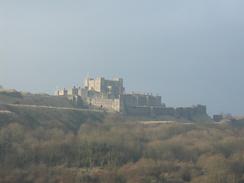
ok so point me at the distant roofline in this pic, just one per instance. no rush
(141, 94)
(112, 79)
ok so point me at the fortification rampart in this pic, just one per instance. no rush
(182, 112)
(107, 104)
(110, 95)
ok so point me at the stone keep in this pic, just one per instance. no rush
(108, 88)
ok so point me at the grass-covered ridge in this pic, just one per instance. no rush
(67, 120)
(16, 97)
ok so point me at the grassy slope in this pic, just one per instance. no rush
(13, 97)
(49, 118)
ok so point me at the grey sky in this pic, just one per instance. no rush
(189, 51)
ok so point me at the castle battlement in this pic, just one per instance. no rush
(110, 95)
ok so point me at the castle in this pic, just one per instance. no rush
(110, 95)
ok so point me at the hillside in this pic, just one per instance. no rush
(63, 146)
(15, 97)
(64, 119)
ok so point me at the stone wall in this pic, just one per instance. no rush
(109, 95)
(181, 112)
(62, 92)
(132, 100)
(73, 91)
(108, 104)
(138, 111)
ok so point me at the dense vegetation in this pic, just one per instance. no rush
(77, 147)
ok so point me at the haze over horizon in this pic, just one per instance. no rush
(189, 52)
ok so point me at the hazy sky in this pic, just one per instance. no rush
(188, 51)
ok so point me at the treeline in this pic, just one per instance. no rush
(121, 152)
